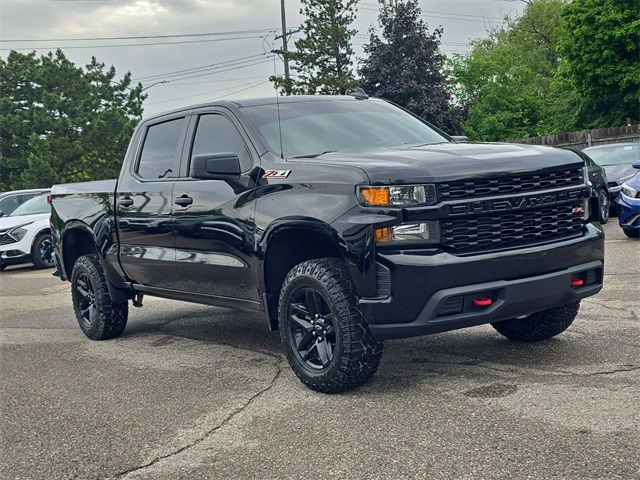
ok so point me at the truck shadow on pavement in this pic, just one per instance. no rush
(479, 355)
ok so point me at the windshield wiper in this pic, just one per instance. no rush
(417, 145)
(314, 155)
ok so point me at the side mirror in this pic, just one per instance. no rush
(459, 138)
(215, 166)
(636, 164)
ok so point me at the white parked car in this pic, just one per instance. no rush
(9, 201)
(25, 235)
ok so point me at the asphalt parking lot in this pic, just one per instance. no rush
(200, 392)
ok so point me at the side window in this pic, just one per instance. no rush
(8, 204)
(160, 157)
(217, 134)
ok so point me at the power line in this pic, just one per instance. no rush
(143, 37)
(136, 44)
(197, 69)
(447, 16)
(179, 82)
(433, 13)
(242, 90)
(251, 85)
(239, 67)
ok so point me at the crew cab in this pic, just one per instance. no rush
(345, 219)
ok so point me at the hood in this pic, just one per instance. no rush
(634, 181)
(451, 161)
(10, 222)
(616, 172)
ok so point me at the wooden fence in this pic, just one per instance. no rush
(587, 138)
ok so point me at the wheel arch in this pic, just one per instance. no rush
(76, 240)
(42, 231)
(284, 245)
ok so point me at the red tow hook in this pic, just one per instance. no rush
(577, 282)
(482, 302)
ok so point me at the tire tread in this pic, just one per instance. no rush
(111, 319)
(539, 326)
(361, 352)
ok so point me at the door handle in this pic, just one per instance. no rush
(184, 201)
(125, 202)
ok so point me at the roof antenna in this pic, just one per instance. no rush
(358, 94)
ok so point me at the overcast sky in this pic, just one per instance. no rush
(207, 49)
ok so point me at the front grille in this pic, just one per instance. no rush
(5, 239)
(452, 305)
(509, 185)
(503, 230)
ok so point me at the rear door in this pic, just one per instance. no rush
(144, 202)
(213, 221)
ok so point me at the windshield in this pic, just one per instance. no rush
(314, 127)
(614, 154)
(33, 206)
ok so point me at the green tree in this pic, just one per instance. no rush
(404, 65)
(322, 59)
(599, 79)
(61, 123)
(507, 79)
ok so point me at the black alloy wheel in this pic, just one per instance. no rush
(42, 251)
(312, 328)
(98, 316)
(324, 335)
(86, 295)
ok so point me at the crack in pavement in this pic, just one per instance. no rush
(64, 288)
(610, 372)
(609, 307)
(222, 424)
(515, 370)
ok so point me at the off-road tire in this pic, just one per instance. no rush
(99, 317)
(342, 354)
(604, 207)
(631, 232)
(42, 251)
(540, 325)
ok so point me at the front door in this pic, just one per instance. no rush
(214, 224)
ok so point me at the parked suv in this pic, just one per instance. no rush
(9, 201)
(25, 235)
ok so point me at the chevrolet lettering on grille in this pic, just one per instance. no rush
(515, 203)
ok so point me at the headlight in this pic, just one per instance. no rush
(399, 196)
(620, 181)
(425, 232)
(629, 191)
(18, 233)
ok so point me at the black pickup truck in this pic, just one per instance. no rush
(345, 219)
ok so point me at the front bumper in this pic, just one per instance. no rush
(432, 291)
(17, 252)
(14, 257)
(628, 212)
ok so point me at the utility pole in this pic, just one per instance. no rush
(287, 78)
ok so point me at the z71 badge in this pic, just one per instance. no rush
(276, 174)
